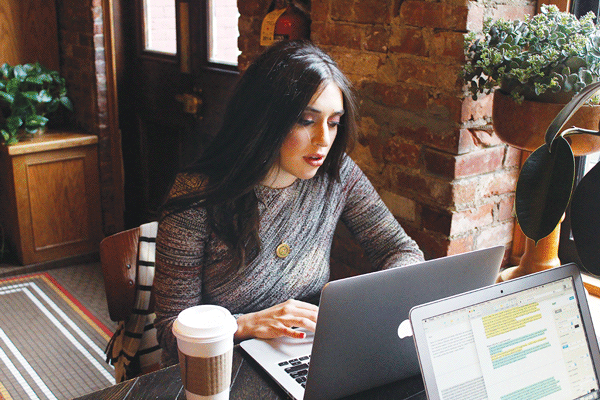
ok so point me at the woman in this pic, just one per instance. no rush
(249, 226)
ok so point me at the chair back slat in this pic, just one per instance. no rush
(118, 256)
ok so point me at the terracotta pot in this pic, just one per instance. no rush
(524, 125)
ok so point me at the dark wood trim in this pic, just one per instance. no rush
(113, 115)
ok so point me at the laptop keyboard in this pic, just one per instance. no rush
(297, 368)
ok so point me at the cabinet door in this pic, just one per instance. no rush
(57, 204)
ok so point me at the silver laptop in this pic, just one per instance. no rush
(528, 338)
(363, 334)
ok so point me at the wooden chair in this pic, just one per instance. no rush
(121, 267)
(118, 256)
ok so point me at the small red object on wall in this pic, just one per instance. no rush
(285, 22)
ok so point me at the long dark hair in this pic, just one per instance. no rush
(268, 100)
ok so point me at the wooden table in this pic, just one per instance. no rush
(249, 382)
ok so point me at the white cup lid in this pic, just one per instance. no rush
(205, 322)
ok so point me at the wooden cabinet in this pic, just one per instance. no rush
(49, 196)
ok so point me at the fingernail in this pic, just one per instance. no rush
(303, 335)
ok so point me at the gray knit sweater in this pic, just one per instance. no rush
(191, 261)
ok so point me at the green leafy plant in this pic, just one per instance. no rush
(28, 93)
(546, 182)
(552, 54)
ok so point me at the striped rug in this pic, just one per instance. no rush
(51, 347)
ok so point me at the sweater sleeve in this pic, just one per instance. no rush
(385, 242)
(180, 244)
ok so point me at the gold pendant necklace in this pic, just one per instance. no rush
(283, 250)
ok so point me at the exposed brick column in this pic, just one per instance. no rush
(83, 66)
(431, 155)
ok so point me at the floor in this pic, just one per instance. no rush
(83, 280)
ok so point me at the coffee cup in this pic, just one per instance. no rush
(205, 342)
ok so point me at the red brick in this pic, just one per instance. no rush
(413, 99)
(446, 107)
(513, 156)
(252, 8)
(341, 35)
(400, 96)
(475, 17)
(371, 12)
(502, 182)
(360, 11)
(342, 10)
(476, 110)
(433, 244)
(409, 41)
(440, 163)
(475, 139)
(401, 153)
(437, 220)
(358, 66)
(500, 234)
(377, 38)
(427, 73)
(447, 141)
(319, 11)
(506, 209)
(479, 162)
(453, 166)
(464, 191)
(460, 245)
(511, 12)
(448, 45)
(434, 15)
(469, 220)
(403, 181)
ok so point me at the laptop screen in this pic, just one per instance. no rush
(526, 345)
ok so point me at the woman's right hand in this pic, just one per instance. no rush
(278, 321)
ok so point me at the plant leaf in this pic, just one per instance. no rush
(544, 188)
(44, 96)
(20, 72)
(6, 97)
(568, 110)
(6, 70)
(35, 121)
(65, 101)
(585, 220)
(33, 96)
(13, 123)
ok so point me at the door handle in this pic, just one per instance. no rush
(191, 103)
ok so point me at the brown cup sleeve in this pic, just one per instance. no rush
(206, 376)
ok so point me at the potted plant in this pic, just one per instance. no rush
(545, 58)
(28, 93)
(545, 188)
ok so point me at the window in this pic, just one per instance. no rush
(160, 28)
(223, 32)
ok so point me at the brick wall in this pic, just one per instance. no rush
(83, 66)
(431, 155)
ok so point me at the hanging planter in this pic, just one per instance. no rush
(523, 125)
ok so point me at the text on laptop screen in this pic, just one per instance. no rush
(527, 345)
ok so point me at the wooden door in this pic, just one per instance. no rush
(172, 93)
